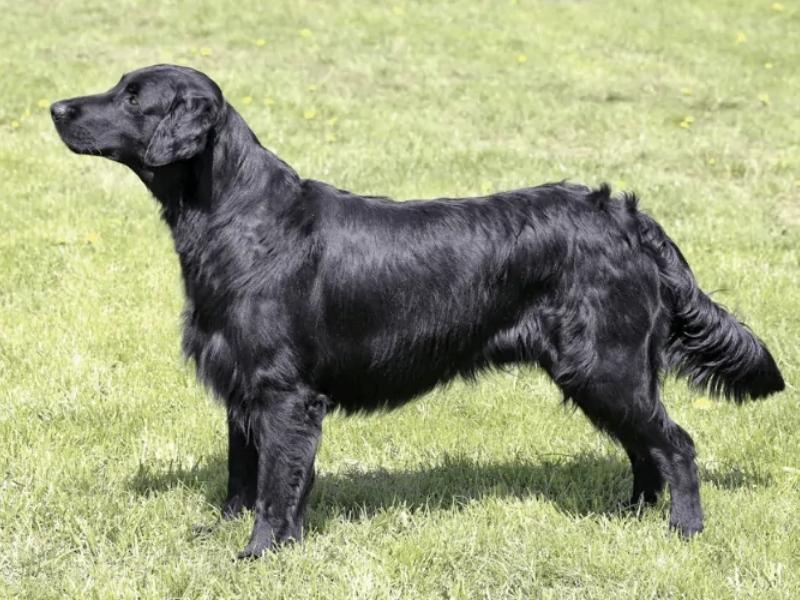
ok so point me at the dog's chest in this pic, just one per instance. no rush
(238, 344)
(220, 352)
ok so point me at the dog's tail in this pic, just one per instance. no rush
(707, 344)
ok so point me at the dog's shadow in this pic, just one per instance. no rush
(582, 484)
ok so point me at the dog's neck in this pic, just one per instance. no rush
(233, 168)
(233, 202)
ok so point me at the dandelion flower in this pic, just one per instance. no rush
(768, 65)
(687, 121)
(703, 403)
(522, 58)
(205, 51)
(741, 37)
(309, 113)
(777, 7)
(261, 42)
(14, 124)
(305, 32)
(42, 103)
(247, 99)
(687, 91)
(764, 99)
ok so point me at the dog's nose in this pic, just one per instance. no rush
(62, 110)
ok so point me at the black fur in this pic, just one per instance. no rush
(301, 296)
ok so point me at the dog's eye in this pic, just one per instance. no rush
(133, 100)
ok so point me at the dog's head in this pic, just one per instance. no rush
(153, 117)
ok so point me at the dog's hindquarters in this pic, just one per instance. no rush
(604, 348)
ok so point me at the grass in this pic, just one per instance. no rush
(110, 452)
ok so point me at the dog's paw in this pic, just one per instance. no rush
(234, 506)
(687, 530)
(638, 502)
(253, 551)
(261, 540)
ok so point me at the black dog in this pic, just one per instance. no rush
(301, 296)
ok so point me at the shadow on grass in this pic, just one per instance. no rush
(583, 484)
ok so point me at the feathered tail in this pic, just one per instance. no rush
(707, 344)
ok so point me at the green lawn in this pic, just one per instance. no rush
(110, 452)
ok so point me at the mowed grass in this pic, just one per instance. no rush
(110, 452)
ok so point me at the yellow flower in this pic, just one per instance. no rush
(312, 87)
(305, 32)
(205, 51)
(703, 403)
(712, 161)
(741, 37)
(92, 238)
(764, 99)
(247, 99)
(687, 122)
(777, 7)
(42, 103)
(261, 42)
(14, 124)
(768, 65)
(522, 58)
(309, 113)
(687, 91)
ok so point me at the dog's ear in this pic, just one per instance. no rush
(183, 132)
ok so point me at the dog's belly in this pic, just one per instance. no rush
(373, 389)
(377, 377)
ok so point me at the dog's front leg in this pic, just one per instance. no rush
(242, 468)
(287, 428)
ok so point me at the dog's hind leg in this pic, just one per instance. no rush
(620, 397)
(673, 450)
(648, 482)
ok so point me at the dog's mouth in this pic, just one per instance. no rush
(79, 140)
